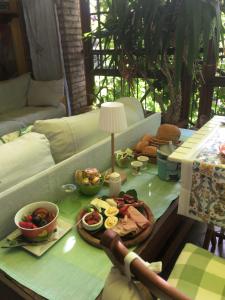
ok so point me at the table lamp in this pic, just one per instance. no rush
(112, 120)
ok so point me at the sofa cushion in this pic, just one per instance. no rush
(23, 158)
(9, 137)
(45, 93)
(133, 109)
(70, 135)
(7, 126)
(18, 119)
(13, 93)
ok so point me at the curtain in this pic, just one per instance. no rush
(43, 36)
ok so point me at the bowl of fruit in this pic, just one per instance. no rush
(92, 221)
(37, 221)
(89, 181)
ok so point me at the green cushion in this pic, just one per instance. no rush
(13, 93)
(199, 274)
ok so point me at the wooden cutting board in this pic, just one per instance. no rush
(94, 238)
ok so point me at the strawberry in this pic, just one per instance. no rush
(120, 202)
(128, 198)
(29, 218)
(27, 225)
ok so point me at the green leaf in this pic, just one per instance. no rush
(132, 193)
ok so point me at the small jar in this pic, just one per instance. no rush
(114, 184)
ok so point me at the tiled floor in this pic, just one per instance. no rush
(220, 246)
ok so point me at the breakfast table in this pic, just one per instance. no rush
(74, 269)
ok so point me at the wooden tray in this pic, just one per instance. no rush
(95, 237)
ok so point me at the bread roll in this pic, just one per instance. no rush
(150, 150)
(168, 132)
(147, 138)
(140, 146)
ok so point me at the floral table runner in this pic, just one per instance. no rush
(203, 182)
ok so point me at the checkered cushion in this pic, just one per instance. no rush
(199, 274)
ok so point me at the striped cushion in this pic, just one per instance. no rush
(199, 274)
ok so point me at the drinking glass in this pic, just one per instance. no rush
(144, 160)
(136, 167)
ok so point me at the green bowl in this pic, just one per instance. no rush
(124, 162)
(89, 190)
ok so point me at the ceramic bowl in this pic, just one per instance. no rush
(69, 188)
(39, 233)
(124, 162)
(94, 226)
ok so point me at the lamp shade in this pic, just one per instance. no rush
(112, 117)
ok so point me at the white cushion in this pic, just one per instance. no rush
(71, 135)
(133, 108)
(13, 93)
(45, 93)
(22, 158)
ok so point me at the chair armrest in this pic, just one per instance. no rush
(116, 251)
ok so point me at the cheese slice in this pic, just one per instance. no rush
(99, 203)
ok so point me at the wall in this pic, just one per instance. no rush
(71, 36)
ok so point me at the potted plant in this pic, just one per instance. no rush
(163, 37)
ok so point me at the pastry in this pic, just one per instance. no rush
(147, 138)
(150, 151)
(141, 145)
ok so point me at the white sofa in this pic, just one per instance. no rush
(84, 147)
(23, 101)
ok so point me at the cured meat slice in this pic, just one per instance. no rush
(125, 226)
(137, 217)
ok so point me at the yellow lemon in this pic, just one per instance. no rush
(111, 211)
(111, 222)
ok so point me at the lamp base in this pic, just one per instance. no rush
(123, 176)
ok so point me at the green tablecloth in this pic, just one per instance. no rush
(72, 269)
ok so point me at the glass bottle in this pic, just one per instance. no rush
(114, 184)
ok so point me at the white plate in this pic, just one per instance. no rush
(62, 228)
